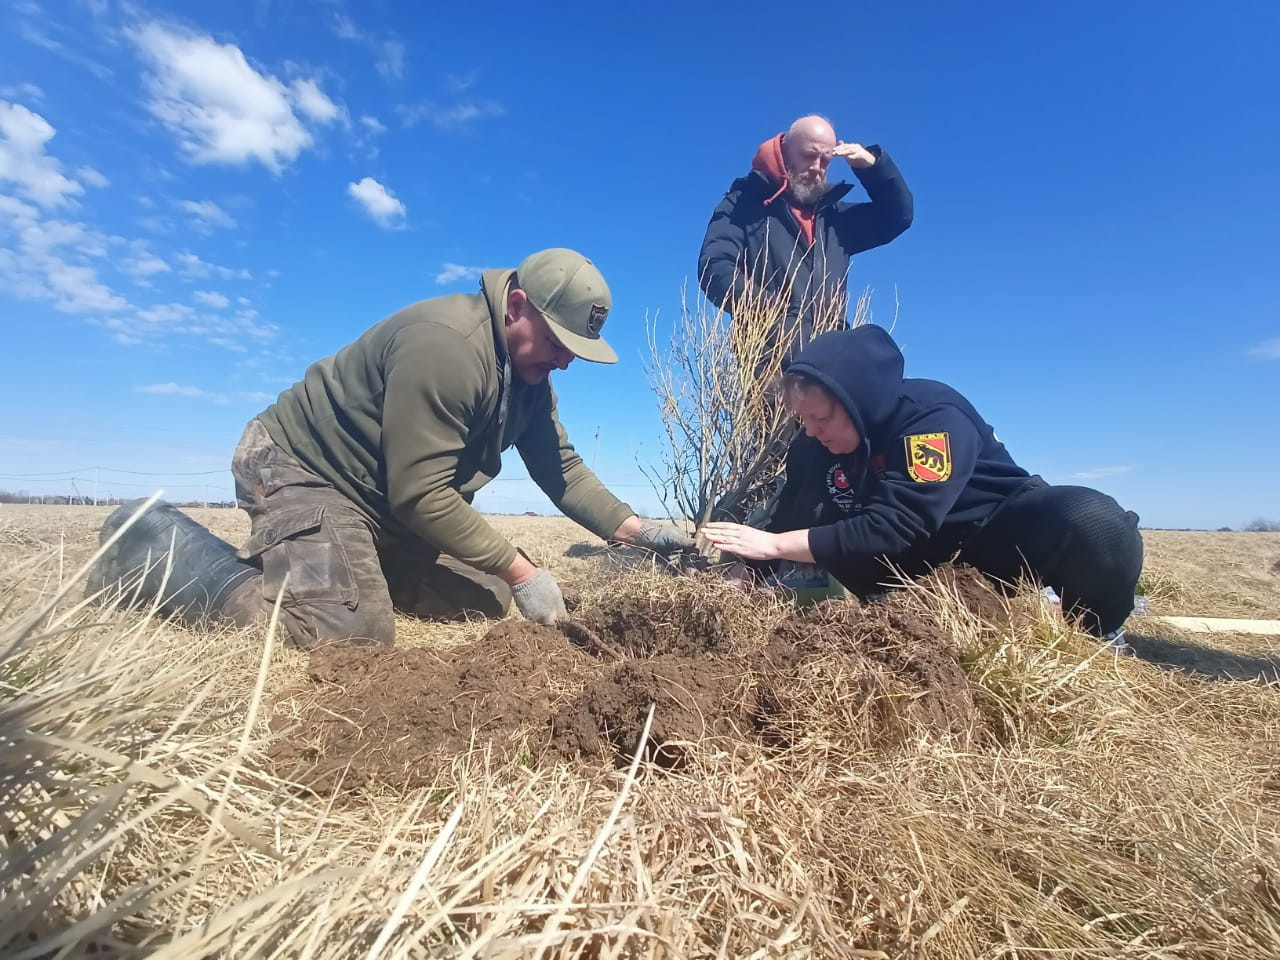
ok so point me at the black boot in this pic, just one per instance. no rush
(202, 575)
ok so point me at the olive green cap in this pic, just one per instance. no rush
(567, 289)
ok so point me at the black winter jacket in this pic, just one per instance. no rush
(928, 473)
(748, 231)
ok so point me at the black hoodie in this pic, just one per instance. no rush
(928, 472)
(754, 236)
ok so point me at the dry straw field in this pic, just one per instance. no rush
(685, 770)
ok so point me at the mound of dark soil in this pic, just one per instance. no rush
(694, 698)
(876, 675)
(653, 627)
(890, 672)
(377, 714)
(978, 595)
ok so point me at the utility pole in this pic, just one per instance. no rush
(95, 485)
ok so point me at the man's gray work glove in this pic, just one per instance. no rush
(539, 598)
(663, 537)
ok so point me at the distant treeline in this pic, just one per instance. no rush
(1260, 525)
(64, 500)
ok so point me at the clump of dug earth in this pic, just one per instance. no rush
(581, 692)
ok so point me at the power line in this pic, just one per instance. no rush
(67, 474)
(144, 473)
(30, 476)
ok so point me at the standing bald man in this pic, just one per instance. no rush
(783, 230)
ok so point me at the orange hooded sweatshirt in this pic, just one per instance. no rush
(768, 161)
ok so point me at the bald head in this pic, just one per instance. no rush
(806, 153)
(812, 127)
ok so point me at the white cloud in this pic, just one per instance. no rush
(199, 393)
(221, 109)
(56, 261)
(366, 134)
(378, 202)
(172, 390)
(22, 91)
(191, 266)
(43, 260)
(16, 211)
(144, 265)
(453, 272)
(311, 101)
(211, 298)
(388, 52)
(93, 178)
(1100, 473)
(207, 212)
(170, 320)
(451, 116)
(390, 62)
(156, 224)
(461, 82)
(34, 35)
(41, 238)
(344, 28)
(76, 289)
(1267, 349)
(165, 314)
(23, 162)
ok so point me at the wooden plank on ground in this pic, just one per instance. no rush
(1269, 628)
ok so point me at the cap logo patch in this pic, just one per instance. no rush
(595, 319)
(928, 457)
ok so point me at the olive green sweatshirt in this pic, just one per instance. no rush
(411, 419)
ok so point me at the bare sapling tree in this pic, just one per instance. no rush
(717, 379)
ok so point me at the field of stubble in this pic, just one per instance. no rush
(686, 770)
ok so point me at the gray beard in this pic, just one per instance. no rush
(807, 192)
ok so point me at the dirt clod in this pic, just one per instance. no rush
(693, 697)
(644, 628)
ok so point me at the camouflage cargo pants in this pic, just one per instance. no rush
(346, 577)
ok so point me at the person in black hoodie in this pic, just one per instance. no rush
(905, 472)
(782, 230)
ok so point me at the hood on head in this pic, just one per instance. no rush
(495, 285)
(861, 368)
(769, 164)
(768, 161)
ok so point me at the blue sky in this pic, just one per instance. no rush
(197, 200)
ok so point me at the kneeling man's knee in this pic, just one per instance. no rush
(313, 624)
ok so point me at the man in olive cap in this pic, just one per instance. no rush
(359, 479)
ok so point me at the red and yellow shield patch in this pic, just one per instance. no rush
(928, 457)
